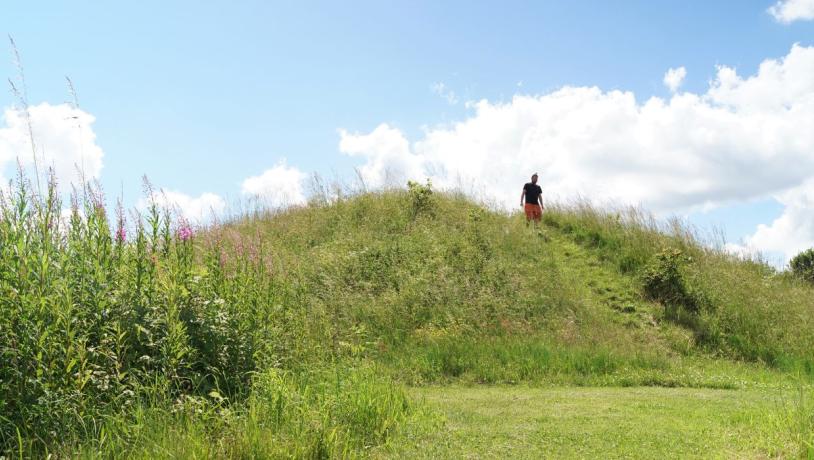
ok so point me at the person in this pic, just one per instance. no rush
(532, 201)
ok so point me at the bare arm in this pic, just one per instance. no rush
(540, 199)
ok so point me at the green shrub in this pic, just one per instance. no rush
(422, 201)
(664, 281)
(802, 265)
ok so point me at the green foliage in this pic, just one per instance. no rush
(663, 280)
(802, 265)
(323, 413)
(94, 324)
(422, 201)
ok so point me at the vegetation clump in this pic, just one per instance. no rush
(802, 265)
(664, 281)
(422, 201)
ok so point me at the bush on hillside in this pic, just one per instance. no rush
(802, 265)
(664, 280)
(422, 201)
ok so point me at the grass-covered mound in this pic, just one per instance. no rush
(295, 332)
(438, 287)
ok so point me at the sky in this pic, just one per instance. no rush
(695, 109)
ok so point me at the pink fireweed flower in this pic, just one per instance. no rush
(184, 232)
(121, 223)
(121, 235)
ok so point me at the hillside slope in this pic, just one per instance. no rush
(298, 332)
(438, 288)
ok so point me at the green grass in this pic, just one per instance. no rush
(304, 332)
(326, 413)
(523, 422)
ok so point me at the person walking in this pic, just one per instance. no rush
(532, 201)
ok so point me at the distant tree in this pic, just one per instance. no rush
(802, 265)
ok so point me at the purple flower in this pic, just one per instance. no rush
(184, 232)
(121, 235)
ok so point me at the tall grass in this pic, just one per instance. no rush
(93, 323)
(290, 332)
(328, 413)
(738, 308)
(104, 323)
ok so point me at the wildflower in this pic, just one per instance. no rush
(185, 232)
(121, 222)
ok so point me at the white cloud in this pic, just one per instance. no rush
(779, 87)
(279, 186)
(63, 137)
(787, 11)
(193, 209)
(741, 251)
(447, 94)
(744, 138)
(388, 158)
(793, 231)
(674, 78)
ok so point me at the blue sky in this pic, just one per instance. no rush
(200, 96)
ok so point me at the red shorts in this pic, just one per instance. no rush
(533, 211)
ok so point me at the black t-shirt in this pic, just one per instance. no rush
(533, 192)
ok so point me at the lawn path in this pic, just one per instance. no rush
(605, 287)
(579, 422)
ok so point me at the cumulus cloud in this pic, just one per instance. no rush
(745, 137)
(388, 159)
(674, 78)
(790, 233)
(277, 187)
(194, 209)
(64, 140)
(787, 11)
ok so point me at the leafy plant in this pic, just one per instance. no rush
(802, 265)
(665, 282)
(422, 201)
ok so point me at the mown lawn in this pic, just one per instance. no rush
(580, 422)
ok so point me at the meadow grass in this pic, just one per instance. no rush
(580, 422)
(743, 309)
(297, 332)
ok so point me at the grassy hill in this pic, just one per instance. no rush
(318, 331)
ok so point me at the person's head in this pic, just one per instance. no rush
(534, 178)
